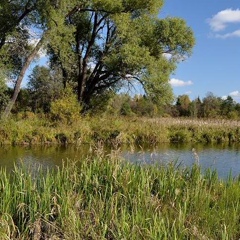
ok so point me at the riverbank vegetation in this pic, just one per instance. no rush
(32, 129)
(77, 98)
(106, 198)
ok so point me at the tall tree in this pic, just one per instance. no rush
(99, 45)
(227, 106)
(196, 108)
(44, 88)
(183, 105)
(102, 44)
(211, 106)
(16, 50)
(21, 75)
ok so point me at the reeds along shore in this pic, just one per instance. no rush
(117, 130)
(107, 198)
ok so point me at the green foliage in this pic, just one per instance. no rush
(180, 135)
(126, 109)
(143, 106)
(15, 17)
(105, 198)
(183, 105)
(130, 45)
(95, 45)
(120, 104)
(23, 102)
(99, 104)
(209, 107)
(64, 127)
(44, 87)
(3, 95)
(65, 109)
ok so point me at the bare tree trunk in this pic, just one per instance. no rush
(21, 76)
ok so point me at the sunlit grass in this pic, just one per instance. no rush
(107, 198)
(117, 131)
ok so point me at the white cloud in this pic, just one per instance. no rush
(229, 35)
(168, 56)
(235, 94)
(220, 21)
(179, 83)
(224, 97)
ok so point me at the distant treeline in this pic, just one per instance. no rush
(42, 97)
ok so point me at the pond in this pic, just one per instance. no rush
(225, 159)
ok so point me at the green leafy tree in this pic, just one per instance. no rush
(102, 44)
(228, 107)
(3, 94)
(144, 106)
(211, 106)
(44, 88)
(19, 18)
(14, 16)
(98, 45)
(119, 104)
(237, 109)
(196, 108)
(16, 52)
(183, 105)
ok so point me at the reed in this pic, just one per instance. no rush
(118, 131)
(107, 198)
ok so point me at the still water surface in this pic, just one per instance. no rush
(222, 158)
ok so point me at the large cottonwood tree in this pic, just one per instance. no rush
(102, 44)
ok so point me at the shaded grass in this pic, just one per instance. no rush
(106, 198)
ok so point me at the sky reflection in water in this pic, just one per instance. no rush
(223, 158)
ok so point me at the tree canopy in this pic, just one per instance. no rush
(101, 45)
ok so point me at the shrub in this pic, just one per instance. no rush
(66, 109)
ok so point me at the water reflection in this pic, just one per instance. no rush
(223, 158)
(46, 156)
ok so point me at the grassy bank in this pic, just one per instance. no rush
(115, 130)
(105, 198)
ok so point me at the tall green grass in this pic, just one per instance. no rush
(117, 131)
(107, 198)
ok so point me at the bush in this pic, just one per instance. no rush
(66, 109)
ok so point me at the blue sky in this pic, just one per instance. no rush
(215, 63)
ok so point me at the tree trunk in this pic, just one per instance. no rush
(21, 76)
